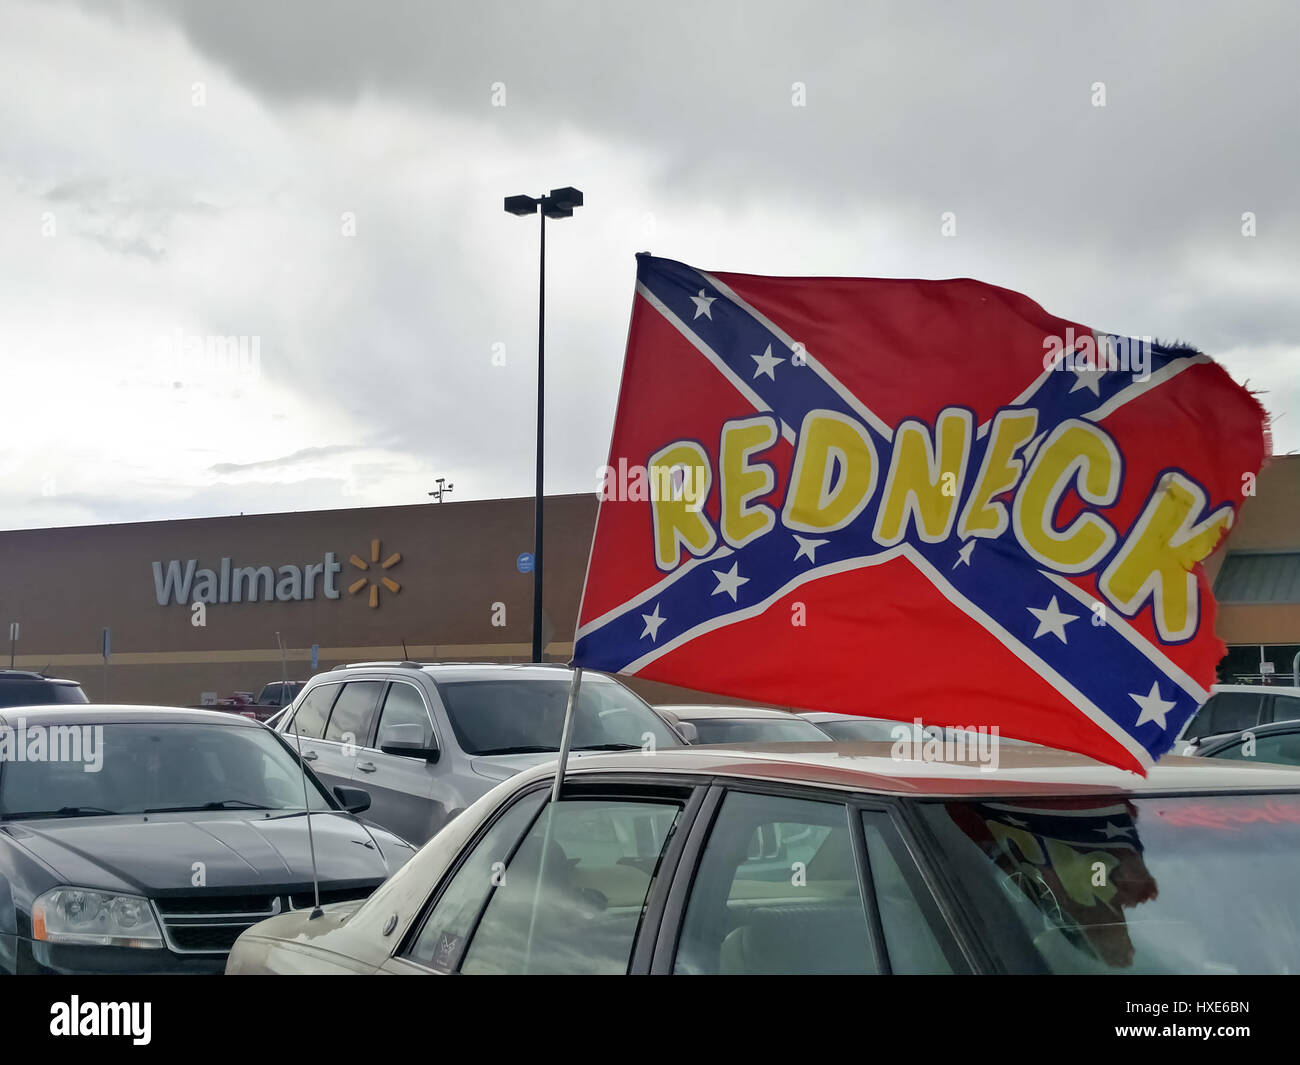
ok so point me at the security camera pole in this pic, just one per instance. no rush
(559, 203)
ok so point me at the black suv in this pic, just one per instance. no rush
(21, 688)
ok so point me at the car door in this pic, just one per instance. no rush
(305, 730)
(333, 720)
(401, 786)
(799, 882)
(555, 887)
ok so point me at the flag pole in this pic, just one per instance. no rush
(566, 739)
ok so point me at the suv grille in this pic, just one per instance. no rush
(211, 924)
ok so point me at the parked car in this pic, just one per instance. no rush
(1277, 744)
(739, 724)
(802, 859)
(850, 727)
(279, 693)
(266, 704)
(160, 834)
(18, 687)
(1233, 707)
(426, 740)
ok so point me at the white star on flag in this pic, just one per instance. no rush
(807, 548)
(1153, 707)
(963, 556)
(1087, 378)
(652, 623)
(730, 581)
(1052, 619)
(1111, 831)
(767, 363)
(704, 305)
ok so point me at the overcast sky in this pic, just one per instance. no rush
(325, 177)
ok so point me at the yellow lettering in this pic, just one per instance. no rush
(1079, 453)
(1000, 472)
(1159, 556)
(678, 513)
(914, 487)
(829, 441)
(742, 482)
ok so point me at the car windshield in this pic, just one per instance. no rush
(82, 769)
(1190, 884)
(527, 715)
(757, 730)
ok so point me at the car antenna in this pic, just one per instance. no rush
(406, 655)
(566, 739)
(306, 803)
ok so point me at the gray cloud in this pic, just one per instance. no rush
(677, 121)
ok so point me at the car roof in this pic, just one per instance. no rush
(870, 768)
(117, 714)
(1258, 689)
(23, 674)
(453, 671)
(1290, 724)
(702, 712)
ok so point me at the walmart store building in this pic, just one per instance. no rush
(447, 580)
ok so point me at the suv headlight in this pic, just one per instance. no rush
(95, 918)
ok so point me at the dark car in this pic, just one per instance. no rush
(1277, 744)
(835, 858)
(21, 688)
(145, 839)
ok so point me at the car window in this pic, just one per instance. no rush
(309, 719)
(1279, 748)
(757, 730)
(508, 716)
(776, 892)
(39, 693)
(1225, 712)
(403, 705)
(1157, 885)
(907, 912)
(135, 767)
(571, 898)
(1286, 708)
(442, 937)
(353, 712)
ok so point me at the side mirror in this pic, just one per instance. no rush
(408, 741)
(353, 800)
(685, 729)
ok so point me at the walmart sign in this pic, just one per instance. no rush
(187, 582)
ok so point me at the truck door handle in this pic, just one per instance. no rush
(366, 767)
(310, 756)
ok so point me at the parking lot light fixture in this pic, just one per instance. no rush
(558, 203)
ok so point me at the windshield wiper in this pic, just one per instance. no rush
(609, 747)
(62, 811)
(519, 750)
(220, 804)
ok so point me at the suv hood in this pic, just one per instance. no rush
(158, 855)
(502, 766)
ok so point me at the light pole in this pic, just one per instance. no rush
(558, 203)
